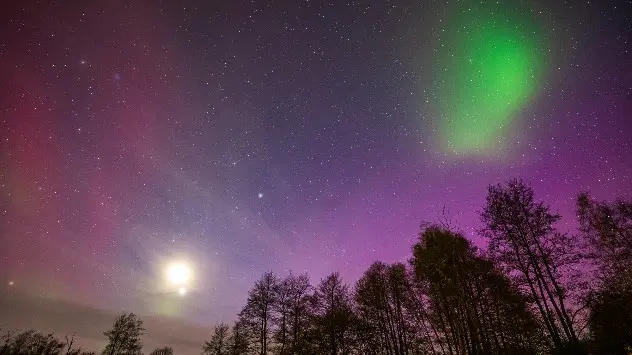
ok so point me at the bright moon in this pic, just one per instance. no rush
(178, 274)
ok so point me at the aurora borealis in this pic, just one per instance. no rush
(240, 137)
(488, 70)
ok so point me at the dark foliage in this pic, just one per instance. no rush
(607, 231)
(473, 308)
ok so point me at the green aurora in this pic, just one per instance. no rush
(490, 63)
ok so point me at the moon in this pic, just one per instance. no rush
(179, 274)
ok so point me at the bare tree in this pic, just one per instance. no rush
(523, 239)
(219, 344)
(33, 342)
(124, 337)
(257, 315)
(292, 314)
(238, 340)
(381, 302)
(333, 316)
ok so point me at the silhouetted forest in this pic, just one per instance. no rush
(534, 290)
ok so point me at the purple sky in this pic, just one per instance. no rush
(244, 137)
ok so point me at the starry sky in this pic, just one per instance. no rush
(246, 136)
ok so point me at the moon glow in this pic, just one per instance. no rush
(178, 274)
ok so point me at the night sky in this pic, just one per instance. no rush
(245, 136)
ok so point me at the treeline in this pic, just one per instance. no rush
(124, 338)
(32, 342)
(533, 290)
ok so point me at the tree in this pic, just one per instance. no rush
(281, 308)
(607, 230)
(292, 314)
(611, 317)
(523, 240)
(333, 316)
(238, 340)
(257, 315)
(472, 307)
(32, 342)
(381, 298)
(162, 351)
(124, 337)
(218, 345)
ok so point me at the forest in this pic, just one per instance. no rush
(534, 289)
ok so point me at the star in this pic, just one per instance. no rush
(260, 195)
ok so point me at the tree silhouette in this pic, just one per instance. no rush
(451, 298)
(257, 314)
(281, 308)
(607, 230)
(32, 342)
(238, 339)
(293, 314)
(472, 306)
(381, 297)
(523, 240)
(124, 337)
(162, 351)
(333, 317)
(219, 344)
